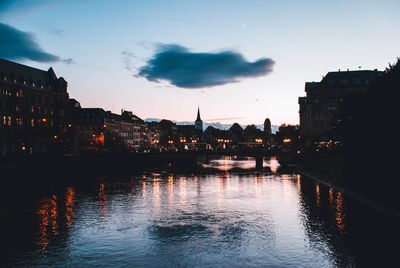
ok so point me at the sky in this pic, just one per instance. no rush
(240, 61)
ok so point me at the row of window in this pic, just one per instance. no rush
(32, 109)
(19, 121)
(26, 83)
(19, 93)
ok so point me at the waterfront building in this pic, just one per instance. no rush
(104, 130)
(33, 105)
(318, 109)
(154, 135)
(217, 138)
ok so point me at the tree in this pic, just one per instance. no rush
(367, 127)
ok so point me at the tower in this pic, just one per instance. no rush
(267, 126)
(198, 124)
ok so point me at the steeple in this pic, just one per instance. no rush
(198, 124)
(198, 114)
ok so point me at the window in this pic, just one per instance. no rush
(9, 123)
(19, 93)
(4, 120)
(17, 108)
(32, 122)
(19, 122)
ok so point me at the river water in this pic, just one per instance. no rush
(239, 219)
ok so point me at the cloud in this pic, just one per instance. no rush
(5, 5)
(128, 59)
(19, 45)
(69, 61)
(186, 69)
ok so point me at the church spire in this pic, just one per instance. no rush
(198, 124)
(198, 114)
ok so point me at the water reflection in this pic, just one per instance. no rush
(69, 206)
(339, 212)
(227, 163)
(48, 226)
(103, 200)
(273, 164)
(331, 194)
(317, 195)
(257, 219)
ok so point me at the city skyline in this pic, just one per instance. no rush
(97, 47)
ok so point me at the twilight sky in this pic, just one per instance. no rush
(246, 60)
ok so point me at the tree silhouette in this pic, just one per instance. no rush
(367, 127)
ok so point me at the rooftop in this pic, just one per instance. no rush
(12, 70)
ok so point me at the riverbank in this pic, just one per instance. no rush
(330, 170)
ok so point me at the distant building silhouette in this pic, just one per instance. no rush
(198, 124)
(319, 108)
(267, 127)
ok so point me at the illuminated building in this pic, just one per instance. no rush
(101, 129)
(33, 107)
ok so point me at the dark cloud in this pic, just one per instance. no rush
(19, 45)
(5, 5)
(16, 7)
(186, 69)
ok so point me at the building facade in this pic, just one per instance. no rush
(318, 109)
(102, 130)
(33, 106)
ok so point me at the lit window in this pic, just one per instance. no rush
(32, 122)
(9, 123)
(19, 93)
(17, 108)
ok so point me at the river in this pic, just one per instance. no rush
(226, 219)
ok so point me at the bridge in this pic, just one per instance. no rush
(126, 161)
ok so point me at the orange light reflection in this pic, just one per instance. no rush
(69, 206)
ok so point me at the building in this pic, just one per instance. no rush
(154, 135)
(319, 107)
(267, 127)
(102, 130)
(198, 124)
(33, 105)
